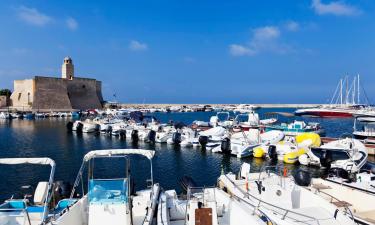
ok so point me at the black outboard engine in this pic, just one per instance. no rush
(302, 178)
(79, 127)
(134, 136)
(272, 153)
(187, 182)
(122, 135)
(151, 136)
(326, 159)
(225, 145)
(109, 130)
(69, 126)
(203, 140)
(61, 190)
(176, 138)
(339, 172)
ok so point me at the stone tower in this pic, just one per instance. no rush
(67, 69)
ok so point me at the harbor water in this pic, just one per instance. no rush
(49, 138)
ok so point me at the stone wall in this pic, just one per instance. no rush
(51, 93)
(83, 93)
(23, 94)
(43, 93)
(3, 101)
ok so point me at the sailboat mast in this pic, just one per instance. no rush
(358, 89)
(341, 91)
(346, 91)
(354, 89)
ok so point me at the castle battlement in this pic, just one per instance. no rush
(68, 92)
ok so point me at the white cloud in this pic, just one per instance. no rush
(338, 8)
(263, 39)
(292, 26)
(71, 23)
(240, 50)
(33, 16)
(137, 46)
(266, 33)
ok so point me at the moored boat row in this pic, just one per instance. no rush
(271, 196)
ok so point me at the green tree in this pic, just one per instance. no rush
(5, 92)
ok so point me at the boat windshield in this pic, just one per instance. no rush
(108, 191)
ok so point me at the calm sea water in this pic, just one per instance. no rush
(49, 138)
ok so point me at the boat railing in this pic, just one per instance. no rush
(347, 210)
(258, 203)
(22, 211)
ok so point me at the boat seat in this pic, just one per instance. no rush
(245, 170)
(369, 216)
(341, 204)
(40, 193)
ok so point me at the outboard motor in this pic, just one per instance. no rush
(61, 190)
(79, 127)
(187, 182)
(326, 159)
(225, 145)
(122, 135)
(69, 126)
(109, 130)
(176, 138)
(203, 140)
(339, 172)
(272, 153)
(134, 136)
(151, 136)
(302, 178)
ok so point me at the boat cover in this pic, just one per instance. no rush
(36, 161)
(97, 153)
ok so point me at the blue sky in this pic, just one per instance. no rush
(186, 51)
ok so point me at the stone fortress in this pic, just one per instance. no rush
(58, 94)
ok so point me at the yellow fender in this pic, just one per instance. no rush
(315, 139)
(292, 157)
(259, 152)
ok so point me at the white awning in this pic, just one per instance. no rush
(113, 152)
(36, 161)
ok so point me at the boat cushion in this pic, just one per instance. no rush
(40, 193)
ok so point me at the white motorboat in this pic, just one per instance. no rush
(205, 206)
(90, 126)
(284, 200)
(356, 192)
(364, 128)
(347, 154)
(183, 137)
(26, 210)
(242, 144)
(298, 127)
(4, 115)
(110, 201)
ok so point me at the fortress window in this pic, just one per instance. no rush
(19, 96)
(83, 86)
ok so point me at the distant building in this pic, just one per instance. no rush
(50, 93)
(3, 101)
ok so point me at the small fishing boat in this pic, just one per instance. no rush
(364, 128)
(298, 127)
(356, 191)
(243, 144)
(347, 154)
(31, 209)
(284, 199)
(203, 206)
(111, 201)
